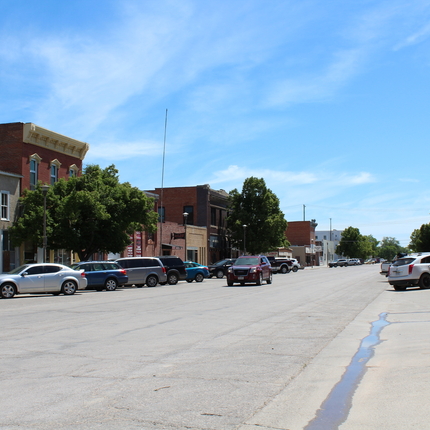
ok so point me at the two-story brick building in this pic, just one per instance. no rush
(29, 154)
(206, 239)
(301, 235)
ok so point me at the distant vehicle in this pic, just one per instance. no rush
(42, 278)
(342, 262)
(295, 265)
(175, 268)
(410, 271)
(195, 271)
(354, 262)
(143, 270)
(102, 275)
(246, 269)
(280, 265)
(219, 269)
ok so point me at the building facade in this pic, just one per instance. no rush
(205, 208)
(32, 154)
(305, 248)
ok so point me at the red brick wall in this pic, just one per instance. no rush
(10, 150)
(174, 200)
(300, 233)
(15, 156)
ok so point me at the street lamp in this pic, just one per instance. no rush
(185, 214)
(45, 189)
(312, 253)
(244, 238)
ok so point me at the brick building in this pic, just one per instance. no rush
(206, 208)
(29, 154)
(301, 235)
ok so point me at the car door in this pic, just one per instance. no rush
(53, 278)
(265, 266)
(32, 280)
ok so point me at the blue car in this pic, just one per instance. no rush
(102, 275)
(195, 271)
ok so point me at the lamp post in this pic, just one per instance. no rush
(45, 189)
(312, 253)
(244, 238)
(185, 214)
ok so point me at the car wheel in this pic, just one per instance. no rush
(219, 274)
(8, 291)
(151, 281)
(284, 269)
(259, 280)
(230, 284)
(424, 282)
(172, 279)
(199, 277)
(189, 280)
(399, 287)
(269, 280)
(295, 268)
(68, 288)
(111, 284)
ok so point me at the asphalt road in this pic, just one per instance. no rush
(190, 356)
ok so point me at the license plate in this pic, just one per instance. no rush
(241, 278)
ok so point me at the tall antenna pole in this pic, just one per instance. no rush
(304, 212)
(160, 214)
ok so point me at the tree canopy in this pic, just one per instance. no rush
(389, 248)
(256, 207)
(355, 245)
(86, 214)
(420, 239)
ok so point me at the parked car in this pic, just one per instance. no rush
(143, 270)
(354, 262)
(280, 265)
(175, 269)
(195, 271)
(295, 265)
(42, 278)
(342, 262)
(246, 269)
(410, 271)
(219, 269)
(102, 275)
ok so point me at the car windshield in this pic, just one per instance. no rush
(18, 269)
(220, 263)
(247, 261)
(403, 261)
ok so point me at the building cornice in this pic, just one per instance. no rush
(54, 141)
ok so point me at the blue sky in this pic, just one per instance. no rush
(327, 101)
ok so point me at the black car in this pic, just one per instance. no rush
(175, 268)
(219, 269)
(102, 275)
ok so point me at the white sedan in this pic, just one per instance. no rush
(42, 278)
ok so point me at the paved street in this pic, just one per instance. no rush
(208, 356)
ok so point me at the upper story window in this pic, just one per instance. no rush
(161, 214)
(4, 205)
(73, 171)
(213, 216)
(55, 166)
(190, 217)
(34, 170)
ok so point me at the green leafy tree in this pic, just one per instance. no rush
(86, 214)
(389, 248)
(371, 247)
(350, 244)
(257, 207)
(420, 239)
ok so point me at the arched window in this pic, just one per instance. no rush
(34, 170)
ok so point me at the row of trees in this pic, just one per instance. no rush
(353, 244)
(95, 212)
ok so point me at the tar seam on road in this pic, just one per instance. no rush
(335, 408)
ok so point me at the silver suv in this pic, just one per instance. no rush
(410, 271)
(143, 270)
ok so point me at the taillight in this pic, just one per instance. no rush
(411, 266)
(123, 271)
(164, 269)
(83, 274)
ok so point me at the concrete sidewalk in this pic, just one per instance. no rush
(375, 375)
